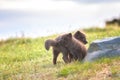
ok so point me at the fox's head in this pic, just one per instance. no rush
(81, 37)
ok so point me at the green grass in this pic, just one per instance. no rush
(27, 59)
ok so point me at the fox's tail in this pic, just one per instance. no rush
(49, 43)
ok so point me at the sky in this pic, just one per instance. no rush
(37, 18)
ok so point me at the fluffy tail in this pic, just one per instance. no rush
(49, 43)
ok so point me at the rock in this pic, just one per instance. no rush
(101, 54)
(108, 47)
(107, 43)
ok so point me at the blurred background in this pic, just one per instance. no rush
(36, 18)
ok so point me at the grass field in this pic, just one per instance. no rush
(27, 59)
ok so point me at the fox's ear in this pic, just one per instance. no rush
(69, 35)
(77, 32)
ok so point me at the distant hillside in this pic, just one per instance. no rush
(113, 22)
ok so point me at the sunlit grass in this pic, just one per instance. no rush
(27, 59)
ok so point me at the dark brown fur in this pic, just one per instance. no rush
(79, 35)
(75, 47)
(49, 43)
(58, 48)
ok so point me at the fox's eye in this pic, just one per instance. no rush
(84, 39)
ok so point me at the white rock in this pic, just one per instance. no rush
(109, 47)
(102, 54)
(107, 43)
